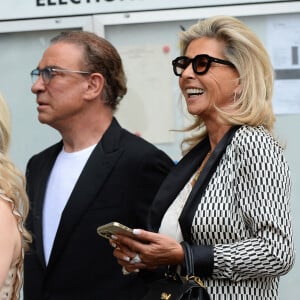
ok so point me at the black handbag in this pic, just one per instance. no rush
(176, 287)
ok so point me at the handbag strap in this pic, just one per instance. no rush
(188, 258)
(189, 265)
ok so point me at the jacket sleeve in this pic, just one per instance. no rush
(262, 187)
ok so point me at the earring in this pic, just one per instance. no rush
(236, 96)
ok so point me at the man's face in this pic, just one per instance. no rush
(61, 100)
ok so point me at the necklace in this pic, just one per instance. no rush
(198, 172)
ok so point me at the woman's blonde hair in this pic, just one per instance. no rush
(253, 105)
(12, 182)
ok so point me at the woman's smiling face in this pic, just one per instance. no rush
(217, 86)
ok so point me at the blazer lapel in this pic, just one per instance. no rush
(175, 182)
(188, 212)
(41, 185)
(103, 158)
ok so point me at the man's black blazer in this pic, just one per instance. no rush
(118, 183)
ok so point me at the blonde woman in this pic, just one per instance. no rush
(228, 198)
(13, 209)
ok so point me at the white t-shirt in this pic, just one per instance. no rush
(63, 177)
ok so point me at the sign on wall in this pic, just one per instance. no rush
(21, 9)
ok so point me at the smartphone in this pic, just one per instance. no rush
(109, 229)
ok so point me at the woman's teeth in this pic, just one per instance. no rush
(194, 92)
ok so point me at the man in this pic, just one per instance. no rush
(97, 174)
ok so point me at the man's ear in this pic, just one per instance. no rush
(95, 86)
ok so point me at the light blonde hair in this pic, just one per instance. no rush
(253, 105)
(12, 182)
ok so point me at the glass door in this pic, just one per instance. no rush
(21, 46)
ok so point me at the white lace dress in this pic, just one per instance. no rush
(12, 285)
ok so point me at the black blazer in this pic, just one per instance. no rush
(118, 183)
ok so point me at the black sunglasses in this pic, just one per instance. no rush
(200, 63)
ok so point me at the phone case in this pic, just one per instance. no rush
(114, 228)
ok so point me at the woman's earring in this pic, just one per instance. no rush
(236, 95)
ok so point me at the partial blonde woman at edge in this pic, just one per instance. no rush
(13, 210)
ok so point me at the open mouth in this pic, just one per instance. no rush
(194, 92)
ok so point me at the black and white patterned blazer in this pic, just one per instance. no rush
(237, 216)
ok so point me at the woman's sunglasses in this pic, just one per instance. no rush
(200, 63)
